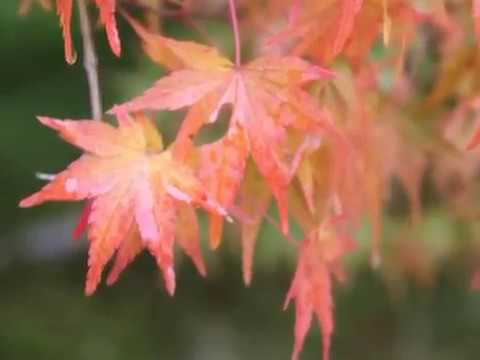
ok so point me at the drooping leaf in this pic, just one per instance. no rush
(311, 289)
(325, 29)
(107, 16)
(64, 11)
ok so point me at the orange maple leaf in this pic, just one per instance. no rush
(107, 17)
(322, 24)
(64, 11)
(325, 29)
(277, 116)
(141, 197)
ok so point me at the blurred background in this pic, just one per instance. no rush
(417, 306)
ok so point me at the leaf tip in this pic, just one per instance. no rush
(247, 277)
(90, 288)
(50, 122)
(29, 201)
(112, 278)
(201, 268)
(169, 279)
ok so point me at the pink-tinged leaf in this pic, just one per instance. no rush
(135, 187)
(97, 137)
(86, 177)
(267, 100)
(106, 236)
(182, 88)
(64, 11)
(311, 290)
(161, 246)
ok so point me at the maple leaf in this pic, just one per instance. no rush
(311, 288)
(107, 17)
(267, 97)
(325, 29)
(138, 194)
(340, 18)
(64, 11)
(384, 148)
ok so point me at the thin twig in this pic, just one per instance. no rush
(236, 31)
(183, 15)
(90, 61)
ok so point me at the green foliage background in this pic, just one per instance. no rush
(44, 314)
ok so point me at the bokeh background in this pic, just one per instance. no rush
(413, 307)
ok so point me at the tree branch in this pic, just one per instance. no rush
(90, 61)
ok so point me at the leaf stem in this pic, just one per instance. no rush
(90, 61)
(236, 31)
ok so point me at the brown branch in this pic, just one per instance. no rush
(90, 61)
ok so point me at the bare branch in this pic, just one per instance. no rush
(90, 61)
